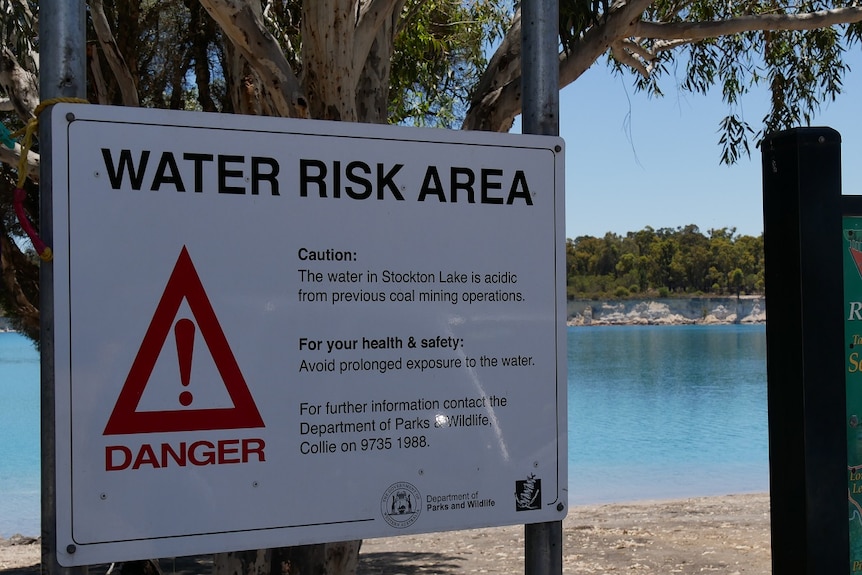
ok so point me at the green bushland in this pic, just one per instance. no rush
(664, 263)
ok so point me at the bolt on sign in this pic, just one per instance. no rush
(274, 332)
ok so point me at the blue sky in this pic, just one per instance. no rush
(634, 161)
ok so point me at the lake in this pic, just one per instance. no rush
(655, 412)
(19, 436)
(666, 411)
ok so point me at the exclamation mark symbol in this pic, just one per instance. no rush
(184, 333)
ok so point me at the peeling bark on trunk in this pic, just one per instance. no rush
(244, 27)
(21, 86)
(346, 53)
(327, 54)
(372, 90)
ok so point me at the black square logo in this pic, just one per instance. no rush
(528, 494)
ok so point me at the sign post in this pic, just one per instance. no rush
(278, 332)
(63, 74)
(540, 85)
(806, 351)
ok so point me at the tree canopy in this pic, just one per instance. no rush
(665, 261)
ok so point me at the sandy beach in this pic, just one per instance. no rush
(724, 535)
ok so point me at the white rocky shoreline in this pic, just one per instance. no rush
(658, 311)
(668, 311)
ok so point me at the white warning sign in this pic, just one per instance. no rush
(277, 332)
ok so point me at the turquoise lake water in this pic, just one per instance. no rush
(654, 413)
(19, 436)
(666, 411)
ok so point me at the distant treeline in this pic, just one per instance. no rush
(664, 262)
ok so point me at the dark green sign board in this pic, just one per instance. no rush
(853, 340)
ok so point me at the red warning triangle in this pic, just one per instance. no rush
(857, 259)
(184, 283)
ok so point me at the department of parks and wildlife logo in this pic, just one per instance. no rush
(401, 505)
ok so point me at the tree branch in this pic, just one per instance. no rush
(117, 63)
(12, 157)
(622, 52)
(502, 74)
(372, 85)
(635, 48)
(247, 32)
(496, 106)
(21, 86)
(621, 21)
(665, 45)
(493, 105)
(287, 45)
(372, 15)
(691, 31)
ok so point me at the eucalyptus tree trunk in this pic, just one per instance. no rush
(320, 559)
(346, 59)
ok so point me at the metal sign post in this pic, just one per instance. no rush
(805, 351)
(63, 73)
(540, 81)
